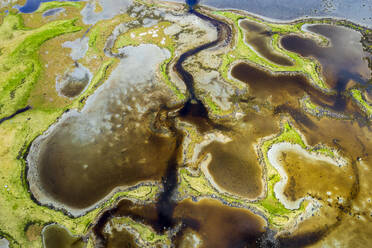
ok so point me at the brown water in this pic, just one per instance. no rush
(81, 175)
(343, 62)
(216, 225)
(332, 181)
(80, 164)
(338, 189)
(235, 168)
(282, 91)
(219, 225)
(120, 239)
(74, 87)
(56, 236)
(259, 37)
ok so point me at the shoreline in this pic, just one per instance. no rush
(274, 152)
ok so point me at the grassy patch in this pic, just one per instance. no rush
(18, 210)
(241, 51)
(144, 232)
(56, 4)
(20, 67)
(358, 97)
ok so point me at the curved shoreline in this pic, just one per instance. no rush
(273, 154)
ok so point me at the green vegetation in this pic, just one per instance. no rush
(358, 97)
(325, 151)
(277, 214)
(242, 51)
(20, 67)
(152, 35)
(55, 4)
(212, 105)
(16, 134)
(145, 233)
(97, 80)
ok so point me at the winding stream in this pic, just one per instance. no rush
(165, 206)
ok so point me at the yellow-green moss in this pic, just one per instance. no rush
(56, 4)
(241, 51)
(20, 67)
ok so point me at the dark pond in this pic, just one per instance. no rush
(259, 37)
(343, 62)
(55, 236)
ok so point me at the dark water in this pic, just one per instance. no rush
(80, 175)
(33, 5)
(234, 166)
(358, 11)
(285, 90)
(217, 224)
(19, 111)
(343, 63)
(55, 236)
(260, 39)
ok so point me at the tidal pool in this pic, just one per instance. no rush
(209, 222)
(235, 169)
(55, 236)
(111, 142)
(219, 225)
(299, 170)
(284, 90)
(259, 37)
(344, 61)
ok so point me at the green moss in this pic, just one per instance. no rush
(241, 51)
(20, 67)
(310, 106)
(145, 233)
(96, 81)
(212, 105)
(56, 4)
(325, 151)
(94, 34)
(358, 97)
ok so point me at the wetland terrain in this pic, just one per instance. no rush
(141, 123)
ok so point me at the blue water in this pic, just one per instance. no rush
(192, 3)
(358, 11)
(32, 5)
